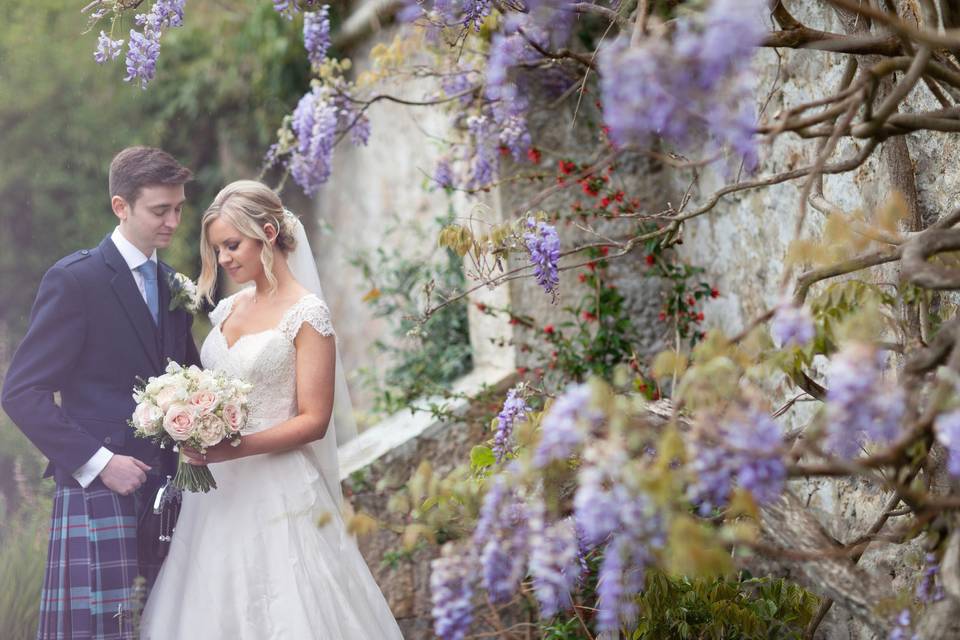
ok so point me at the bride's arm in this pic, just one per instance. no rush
(316, 365)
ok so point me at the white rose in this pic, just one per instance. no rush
(169, 395)
(173, 367)
(210, 430)
(179, 421)
(148, 418)
(207, 380)
(233, 417)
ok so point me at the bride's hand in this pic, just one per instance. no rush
(219, 453)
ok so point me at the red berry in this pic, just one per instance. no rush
(605, 202)
(604, 250)
(533, 154)
(548, 329)
(481, 306)
(650, 259)
(714, 293)
(504, 150)
(662, 316)
(522, 370)
(582, 277)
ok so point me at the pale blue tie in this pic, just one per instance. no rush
(149, 272)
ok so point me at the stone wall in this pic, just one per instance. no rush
(742, 243)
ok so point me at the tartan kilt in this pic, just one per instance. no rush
(88, 588)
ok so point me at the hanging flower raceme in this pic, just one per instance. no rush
(314, 124)
(543, 245)
(554, 562)
(743, 450)
(316, 34)
(792, 326)
(514, 408)
(452, 577)
(502, 535)
(696, 85)
(861, 406)
(566, 425)
(107, 48)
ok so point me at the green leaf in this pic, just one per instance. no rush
(481, 457)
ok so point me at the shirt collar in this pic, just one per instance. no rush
(131, 255)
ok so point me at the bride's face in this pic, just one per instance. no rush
(237, 254)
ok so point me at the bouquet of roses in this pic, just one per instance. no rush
(191, 407)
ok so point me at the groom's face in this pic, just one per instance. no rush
(153, 217)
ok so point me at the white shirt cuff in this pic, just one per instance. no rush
(89, 471)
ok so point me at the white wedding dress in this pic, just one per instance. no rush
(248, 560)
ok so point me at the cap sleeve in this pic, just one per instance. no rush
(222, 310)
(309, 310)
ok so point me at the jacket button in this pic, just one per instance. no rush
(107, 440)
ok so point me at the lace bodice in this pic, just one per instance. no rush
(265, 359)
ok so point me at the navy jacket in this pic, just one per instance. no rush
(90, 336)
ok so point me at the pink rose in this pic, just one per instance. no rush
(205, 401)
(179, 421)
(149, 418)
(210, 430)
(233, 417)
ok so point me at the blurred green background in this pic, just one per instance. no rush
(224, 82)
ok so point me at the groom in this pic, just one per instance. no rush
(101, 319)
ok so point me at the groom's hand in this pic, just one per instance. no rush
(124, 474)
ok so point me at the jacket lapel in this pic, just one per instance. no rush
(167, 317)
(132, 302)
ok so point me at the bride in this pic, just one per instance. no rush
(251, 559)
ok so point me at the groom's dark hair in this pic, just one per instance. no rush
(137, 167)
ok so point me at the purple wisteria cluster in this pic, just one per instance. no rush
(502, 537)
(320, 116)
(514, 408)
(314, 124)
(903, 627)
(543, 246)
(515, 538)
(554, 562)
(566, 425)
(107, 48)
(316, 34)
(143, 49)
(696, 85)
(792, 326)
(451, 590)
(861, 406)
(743, 450)
(611, 513)
(930, 589)
(947, 430)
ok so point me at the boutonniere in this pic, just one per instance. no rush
(183, 294)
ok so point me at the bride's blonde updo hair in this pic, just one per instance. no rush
(249, 206)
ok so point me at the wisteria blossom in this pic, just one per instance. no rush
(107, 48)
(861, 406)
(514, 408)
(543, 246)
(697, 83)
(792, 326)
(744, 449)
(316, 34)
(452, 578)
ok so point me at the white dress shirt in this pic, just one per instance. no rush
(134, 258)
